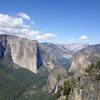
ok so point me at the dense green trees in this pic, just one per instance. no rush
(65, 89)
(15, 84)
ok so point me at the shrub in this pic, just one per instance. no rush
(98, 77)
(58, 94)
(91, 68)
(67, 88)
(98, 65)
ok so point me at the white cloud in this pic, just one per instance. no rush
(24, 16)
(83, 38)
(16, 26)
(46, 36)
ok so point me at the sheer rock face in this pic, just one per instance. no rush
(24, 53)
(53, 55)
(19, 51)
(32, 55)
(48, 58)
(54, 78)
(79, 62)
(87, 87)
(83, 58)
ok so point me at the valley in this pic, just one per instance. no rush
(30, 70)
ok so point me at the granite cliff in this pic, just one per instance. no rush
(29, 54)
(19, 51)
(85, 57)
(81, 86)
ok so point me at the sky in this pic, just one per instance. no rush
(57, 21)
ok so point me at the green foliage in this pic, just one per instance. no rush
(58, 94)
(14, 83)
(98, 77)
(38, 95)
(98, 65)
(65, 89)
(93, 67)
(70, 73)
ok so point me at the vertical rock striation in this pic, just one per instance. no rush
(21, 51)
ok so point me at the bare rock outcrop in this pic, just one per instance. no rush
(85, 57)
(19, 51)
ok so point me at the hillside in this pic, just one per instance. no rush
(84, 86)
(85, 57)
(15, 84)
(30, 70)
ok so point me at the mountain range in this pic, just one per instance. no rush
(48, 63)
(33, 55)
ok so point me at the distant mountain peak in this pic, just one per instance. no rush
(85, 57)
(75, 46)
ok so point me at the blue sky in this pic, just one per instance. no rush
(69, 20)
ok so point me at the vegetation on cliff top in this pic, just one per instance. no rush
(72, 82)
